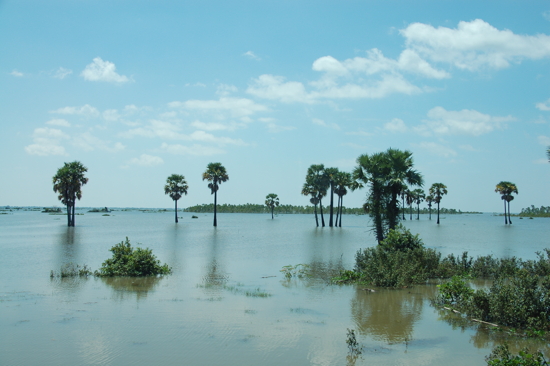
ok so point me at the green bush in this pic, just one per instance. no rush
(399, 261)
(501, 356)
(127, 261)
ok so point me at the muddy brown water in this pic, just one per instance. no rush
(227, 303)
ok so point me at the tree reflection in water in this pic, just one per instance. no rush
(389, 315)
(125, 287)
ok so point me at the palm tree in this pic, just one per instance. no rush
(330, 178)
(506, 189)
(429, 199)
(67, 182)
(437, 191)
(343, 181)
(175, 187)
(309, 189)
(271, 200)
(419, 197)
(216, 174)
(387, 175)
(317, 182)
(410, 198)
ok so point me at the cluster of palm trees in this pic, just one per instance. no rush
(319, 182)
(506, 189)
(67, 183)
(388, 175)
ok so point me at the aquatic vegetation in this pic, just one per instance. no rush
(128, 261)
(298, 271)
(72, 270)
(352, 343)
(501, 356)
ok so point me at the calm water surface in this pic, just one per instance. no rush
(204, 313)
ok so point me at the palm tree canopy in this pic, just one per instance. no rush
(176, 186)
(272, 200)
(216, 174)
(419, 196)
(438, 190)
(68, 182)
(506, 189)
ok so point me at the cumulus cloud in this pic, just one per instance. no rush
(62, 73)
(86, 111)
(396, 125)
(100, 70)
(436, 149)
(58, 122)
(276, 88)
(464, 122)
(146, 160)
(544, 140)
(156, 128)
(225, 90)
(88, 142)
(474, 45)
(16, 73)
(544, 106)
(193, 150)
(214, 126)
(47, 141)
(111, 115)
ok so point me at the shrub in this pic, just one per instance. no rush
(127, 261)
(501, 356)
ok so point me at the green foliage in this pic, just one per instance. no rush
(127, 261)
(455, 291)
(399, 261)
(298, 271)
(501, 356)
(257, 208)
(533, 211)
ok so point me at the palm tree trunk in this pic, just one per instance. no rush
(505, 217)
(272, 207)
(68, 214)
(72, 213)
(438, 213)
(330, 222)
(321, 209)
(404, 208)
(337, 210)
(509, 218)
(215, 204)
(341, 210)
(411, 212)
(418, 211)
(176, 202)
(316, 218)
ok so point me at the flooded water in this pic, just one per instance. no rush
(227, 301)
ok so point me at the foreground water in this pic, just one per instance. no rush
(227, 301)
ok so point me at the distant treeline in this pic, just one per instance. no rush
(255, 208)
(533, 211)
(291, 209)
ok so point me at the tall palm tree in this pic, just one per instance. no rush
(330, 178)
(175, 187)
(343, 181)
(506, 189)
(271, 201)
(67, 182)
(437, 191)
(216, 174)
(309, 189)
(387, 174)
(410, 198)
(317, 182)
(429, 200)
(419, 197)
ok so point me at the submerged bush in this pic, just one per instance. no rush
(501, 356)
(399, 261)
(71, 270)
(127, 261)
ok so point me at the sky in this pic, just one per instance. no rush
(139, 90)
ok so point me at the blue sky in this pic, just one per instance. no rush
(138, 90)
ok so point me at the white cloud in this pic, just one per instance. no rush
(194, 150)
(16, 73)
(111, 115)
(464, 122)
(234, 107)
(157, 128)
(201, 85)
(276, 88)
(225, 90)
(100, 70)
(88, 142)
(58, 122)
(396, 125)
(546, 15)
(86, 111)
(62, 73)
(360, 133)
(544, 106)
(474, 45)
(47, 142)
(251, 55)
(320, 122)
(214, 126)
(436, 149)
(544, 140)
(146, 160)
